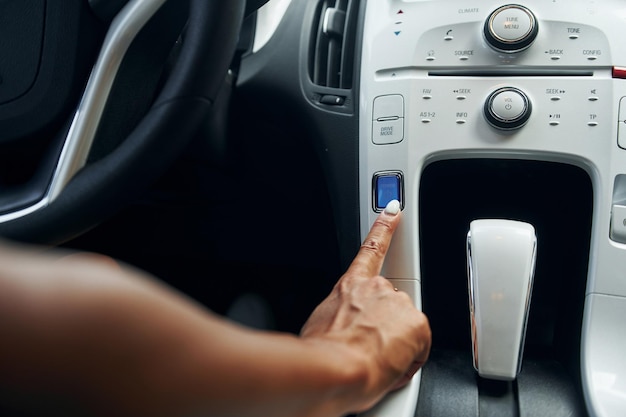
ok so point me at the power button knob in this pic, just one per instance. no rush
(507, 108)
(511, 28)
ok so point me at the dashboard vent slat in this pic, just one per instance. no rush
(332, 46)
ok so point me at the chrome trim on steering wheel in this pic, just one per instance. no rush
(122, 32)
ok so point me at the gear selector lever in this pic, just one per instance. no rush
(500, 267)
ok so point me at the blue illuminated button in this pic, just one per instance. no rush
(387, 186)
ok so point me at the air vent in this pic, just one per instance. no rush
(332, 45)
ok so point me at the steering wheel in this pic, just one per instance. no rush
(93, 109)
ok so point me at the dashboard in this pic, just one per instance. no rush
(461, 110)
(491, 110)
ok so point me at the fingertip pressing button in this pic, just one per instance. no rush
(393, 207)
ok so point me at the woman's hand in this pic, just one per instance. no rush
(380, 324)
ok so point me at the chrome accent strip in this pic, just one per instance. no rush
(470, 286)
(122, 32)
(527, 306)
(25, 211)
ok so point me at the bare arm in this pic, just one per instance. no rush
(90, 335)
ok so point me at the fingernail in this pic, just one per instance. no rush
(393, 207)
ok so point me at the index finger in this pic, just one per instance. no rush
(369, 260)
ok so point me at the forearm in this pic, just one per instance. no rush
(124, 345)
(205, 366)
(220, 369)
(263, 374)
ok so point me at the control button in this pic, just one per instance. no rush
(507, 108)
(555, 98)
(386, 132)
(618, 223)
(554, 123)
(508, 105)
(511, 28)
(332, 100)
(511, 23)
(463, 58)
(593, 98)
(592, 124)
(425, 121)
(387, 186)
(388, 123)
(388, 106)
(430, 58)
(555, 57)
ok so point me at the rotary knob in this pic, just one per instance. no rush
(507, 108)
(511, 28)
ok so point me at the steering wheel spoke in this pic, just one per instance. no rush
(66, 181)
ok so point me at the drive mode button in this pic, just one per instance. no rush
(388, 119)
(388, 106)
(386, 132)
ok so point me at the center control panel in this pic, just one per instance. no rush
(449, 79)
(537, 80)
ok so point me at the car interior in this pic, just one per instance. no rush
(240, 151)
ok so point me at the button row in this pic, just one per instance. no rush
(388, 117)
(460, 97)
(433, 58)
(462, 121)
(590, 98)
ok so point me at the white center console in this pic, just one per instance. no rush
(538, 80)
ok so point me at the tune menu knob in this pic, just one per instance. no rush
(511, 28)
(507, 108)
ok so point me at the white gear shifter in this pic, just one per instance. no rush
(500, 267)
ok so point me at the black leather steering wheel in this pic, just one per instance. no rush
(48, 81)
